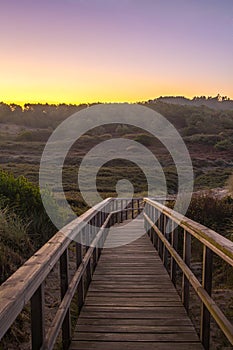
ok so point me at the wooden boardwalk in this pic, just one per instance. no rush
(131, 302)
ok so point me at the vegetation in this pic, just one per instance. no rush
(15, 244)
(24, 224)
(208, 134)
(214, 213)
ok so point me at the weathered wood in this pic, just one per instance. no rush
(220, 245)
(207, 284)
(174, 243)
(64, 280)
(100, 345)
(126, 303)
(187, 260)
(37, 318)
(20, 287)
(206, 299)
(80, 289)
(65, 303)
(127, 298)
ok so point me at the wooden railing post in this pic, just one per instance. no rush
(187, 259)
(207, 284)
(79, 258)
(153, 234)
(174, 243)
(150, 230)
(160, 246)
(121, 205)
(138, 201)
(132, 208)
(37, 318)
(165, 252)
(126, 212)
(95, 251)
(64, 278)
(88, 276)
(155, 221)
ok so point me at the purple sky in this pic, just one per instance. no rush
(114, 50)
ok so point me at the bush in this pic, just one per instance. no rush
(144, 139)
(211, 212)
(15, 245)
(24, 199)
(224, 145)
(203, 139)
(34, 136)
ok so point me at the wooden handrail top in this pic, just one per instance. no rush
(18, 289)
(215, 311)
(220, 245)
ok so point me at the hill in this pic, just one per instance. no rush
(218, 102)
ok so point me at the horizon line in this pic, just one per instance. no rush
(43, 102)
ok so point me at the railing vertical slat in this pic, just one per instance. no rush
(153, 220)
(80, 289)
(155, 217)
(160, 246)
(187, 259)
(37, 318)
(174, 242)
(122, 209)
(207, 284)
(165, 252)
(138, 201)
(126, 212)
(132, 208)
(64, 278)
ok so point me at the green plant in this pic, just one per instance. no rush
(224, 145)
(24, 199)
(15, 245)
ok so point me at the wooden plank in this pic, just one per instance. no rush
(106, 328)
(179, 322)
(128, 337)
(100, 345)
(155, 302)
(116, 298)
(127, 306)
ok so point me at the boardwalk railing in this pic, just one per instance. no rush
(179, 228)
(27, 283)
(91, 228)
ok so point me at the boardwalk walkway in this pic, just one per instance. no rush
(131, 302)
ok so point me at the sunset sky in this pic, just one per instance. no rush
(77, 51)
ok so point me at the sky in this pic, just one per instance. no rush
(79, 51)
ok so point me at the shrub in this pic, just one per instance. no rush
(24, 199)
(144, 139)
(224, 145)
(212, 212)
(15, 245)
(203, 139)
(34, 136)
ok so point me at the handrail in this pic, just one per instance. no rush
(220, 245)
(27, 283)
(30, 276)
(60, 315)
(156, 220)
